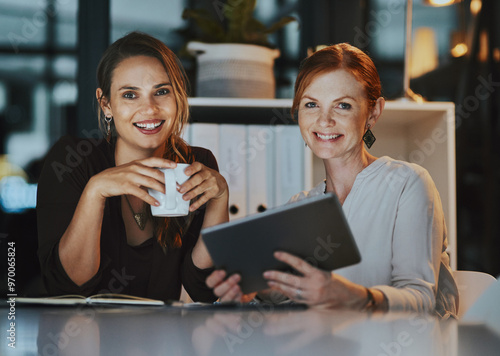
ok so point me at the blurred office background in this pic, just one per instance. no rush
(49, 51)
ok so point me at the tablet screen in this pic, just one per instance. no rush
(314, 229)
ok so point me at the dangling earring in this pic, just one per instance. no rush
(108, 120)
(369, 137)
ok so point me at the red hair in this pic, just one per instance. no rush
(339, 56)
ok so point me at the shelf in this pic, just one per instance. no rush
(421, 133)
(241, 111)
(277, 111)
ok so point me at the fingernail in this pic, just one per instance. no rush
(267, 274)
(157, 203)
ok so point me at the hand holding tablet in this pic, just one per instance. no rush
(313, 229)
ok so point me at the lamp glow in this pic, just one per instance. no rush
(496, 54)
(459, 50)
(438, 3)
(475, 6)
(424, 52)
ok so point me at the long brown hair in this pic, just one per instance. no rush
(168, 231)
(339, 56)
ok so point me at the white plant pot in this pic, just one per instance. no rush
(234, 70)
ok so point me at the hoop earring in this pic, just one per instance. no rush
(369, 138)
(108, 120)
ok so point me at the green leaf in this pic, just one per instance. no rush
(280, 24)
(213, 30)
(238, 13)
(254, 33)
(241, 26)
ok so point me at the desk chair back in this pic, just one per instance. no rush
(471, 285)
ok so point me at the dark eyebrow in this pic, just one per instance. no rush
(128, 88)
(337, 99)
(162, 85)
(346, 97)
(137, 88)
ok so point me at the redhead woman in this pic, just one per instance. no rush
(90, 240)
(393, 207)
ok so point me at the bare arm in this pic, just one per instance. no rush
(210, 187)
(79, 247)
(216, 213)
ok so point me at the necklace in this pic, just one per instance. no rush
(140, 218)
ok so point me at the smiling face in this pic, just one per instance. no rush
(333, 115)
(142, 104)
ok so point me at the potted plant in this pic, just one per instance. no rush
(234, 55)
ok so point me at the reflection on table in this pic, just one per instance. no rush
(263, 330)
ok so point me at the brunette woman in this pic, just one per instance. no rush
(96, 232)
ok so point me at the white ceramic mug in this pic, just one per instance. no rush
(171, 203)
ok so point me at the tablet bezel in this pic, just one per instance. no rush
(246, 245)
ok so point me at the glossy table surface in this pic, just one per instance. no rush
(230, 331)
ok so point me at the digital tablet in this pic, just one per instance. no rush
(314, 229)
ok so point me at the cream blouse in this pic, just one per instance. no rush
(395, 214)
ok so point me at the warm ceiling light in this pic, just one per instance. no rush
(475, 6)
(459, 50)
(496, 54)
(440, 2)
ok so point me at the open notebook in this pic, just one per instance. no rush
(122, 299)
